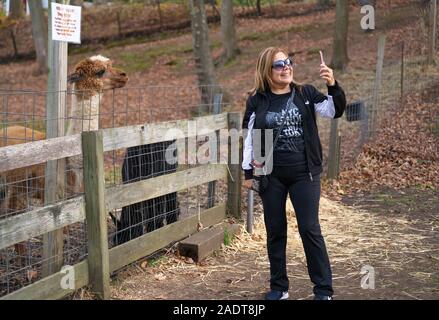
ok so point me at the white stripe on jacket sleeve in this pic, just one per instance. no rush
(248, 145)
(325, 108)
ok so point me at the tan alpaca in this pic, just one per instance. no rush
(90, 77)
(19, 180)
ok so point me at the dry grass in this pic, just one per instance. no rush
(354, 238)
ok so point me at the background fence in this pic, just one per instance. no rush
(375, 97)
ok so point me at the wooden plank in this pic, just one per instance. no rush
(199, 245)
(160, 238)
(234, 178)
(124, 195)
(96, 215)
(40, 221)
(27, 154)
(125, 137)
(30, 153)
(50, 288)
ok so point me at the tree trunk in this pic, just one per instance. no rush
(203, 57)
(13, 31)
(16, 10)
(340, 47)
(228, 32)
(258, 8)
(432, 33)
(39, 33)
(159, 10)
(273, 10)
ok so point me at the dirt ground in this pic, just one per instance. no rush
(394, 232)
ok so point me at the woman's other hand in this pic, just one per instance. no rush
(248, 183)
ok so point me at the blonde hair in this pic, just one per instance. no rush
(263, 79)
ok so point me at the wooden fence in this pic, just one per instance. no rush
(98, 200)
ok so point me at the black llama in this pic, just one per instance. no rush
(140, 163)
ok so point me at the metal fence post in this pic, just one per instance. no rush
(96, 216)
(334, 150)
(250, 210)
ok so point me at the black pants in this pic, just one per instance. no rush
(305, 196)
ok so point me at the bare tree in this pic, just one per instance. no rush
(340, 57)
(201, 44)
(432, 32)
(16, 9)
(258, 8)
(228, 32)
(39, 33)
(159, 10)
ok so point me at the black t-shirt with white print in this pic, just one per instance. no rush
(290, 146)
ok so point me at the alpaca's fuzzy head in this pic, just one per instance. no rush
(94, 74)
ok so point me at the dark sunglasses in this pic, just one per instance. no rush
(280, 64)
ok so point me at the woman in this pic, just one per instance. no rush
(289, 109)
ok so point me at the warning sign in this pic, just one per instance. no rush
(66, 23)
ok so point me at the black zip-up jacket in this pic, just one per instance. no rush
(309, 101)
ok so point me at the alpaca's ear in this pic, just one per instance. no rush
(74, 77)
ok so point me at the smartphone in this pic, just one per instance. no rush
(321, 57)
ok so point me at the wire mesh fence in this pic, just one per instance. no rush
(368, 113)
(23, 119)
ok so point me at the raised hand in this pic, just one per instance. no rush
(326, 73)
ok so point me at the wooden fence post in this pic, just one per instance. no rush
(217, 109)
(334, 150)
(55, 170)
(377, 85)
(96, 216)
(402, 75)
(234, 177)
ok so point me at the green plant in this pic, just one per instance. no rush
(153, 262)
(227, 237)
